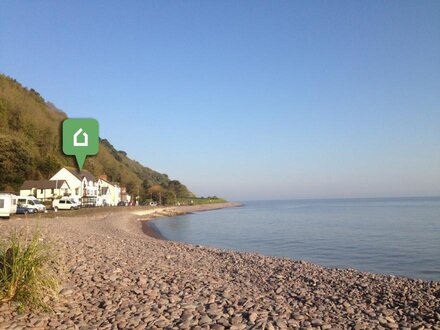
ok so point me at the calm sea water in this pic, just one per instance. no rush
(398, 236)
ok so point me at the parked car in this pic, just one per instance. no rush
(65, 203)
(8, 205)
(121, 203)
(153, 204)
(75, 199)
(31, 202)
(21, 209)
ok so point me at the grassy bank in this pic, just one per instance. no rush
(201, 200)
(27, 278)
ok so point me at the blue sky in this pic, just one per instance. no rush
(246, 99)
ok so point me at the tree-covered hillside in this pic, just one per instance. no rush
(30, 148)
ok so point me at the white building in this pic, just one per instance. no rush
(81, 183)
(45, 189)
(110, 192)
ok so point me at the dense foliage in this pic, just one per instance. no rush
(30, 147)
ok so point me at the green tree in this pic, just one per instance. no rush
(3, 115)
(49, 165)
(178, 189)
(131, 187)
(168, 198)
(15, 122)
(16, 162)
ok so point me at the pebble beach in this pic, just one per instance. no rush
(119, 274)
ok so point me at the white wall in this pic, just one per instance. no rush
(74, 183)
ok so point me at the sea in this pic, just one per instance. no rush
(398, 236)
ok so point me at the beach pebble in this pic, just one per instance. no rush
(316, 322)
(66, 292)
(134, 281)
(253, 317)
(205, 320)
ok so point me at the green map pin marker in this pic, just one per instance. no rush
(80, 138)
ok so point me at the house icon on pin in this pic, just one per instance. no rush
(77, 143)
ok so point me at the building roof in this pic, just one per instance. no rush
(42, 184)
(114, 184)
(81, 174)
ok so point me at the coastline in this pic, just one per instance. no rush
(115, 276)
(173, 211)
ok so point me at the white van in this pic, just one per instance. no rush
(65, 203)
(75, 199)
(8, 205)
(32, 203)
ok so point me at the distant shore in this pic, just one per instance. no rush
(115, 276)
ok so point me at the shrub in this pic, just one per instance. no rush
(26, 272)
